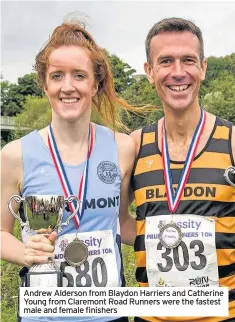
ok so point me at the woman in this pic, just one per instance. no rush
(75, 76)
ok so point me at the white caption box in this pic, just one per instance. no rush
(119, 301)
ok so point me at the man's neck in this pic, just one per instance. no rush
(180, 126)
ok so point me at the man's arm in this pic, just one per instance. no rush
(128, 223)
(136, 136)
(126, 150)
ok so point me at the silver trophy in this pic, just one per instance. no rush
(229, 175)
(43, 214)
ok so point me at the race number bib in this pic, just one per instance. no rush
(192, 263)
(99, 270)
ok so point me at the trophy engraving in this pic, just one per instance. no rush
(43, 214)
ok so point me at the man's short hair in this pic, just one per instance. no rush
(173, 24)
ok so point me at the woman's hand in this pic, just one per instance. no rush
(38, 248)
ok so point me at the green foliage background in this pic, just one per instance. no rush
(10, 283)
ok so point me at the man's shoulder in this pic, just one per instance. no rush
(137, 134)
(223, 121)
(231, 131)
(126, 152)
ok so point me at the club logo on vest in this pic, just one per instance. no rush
(107, 172)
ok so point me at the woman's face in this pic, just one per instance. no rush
(70, 83)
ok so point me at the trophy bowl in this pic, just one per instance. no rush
(43, 214)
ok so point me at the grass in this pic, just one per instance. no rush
(128, 256)
(10, 283)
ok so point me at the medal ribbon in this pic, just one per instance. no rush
(173, 198)
(63, 176)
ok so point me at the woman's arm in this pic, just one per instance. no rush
(38, 248)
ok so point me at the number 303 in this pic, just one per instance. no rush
(182, 267)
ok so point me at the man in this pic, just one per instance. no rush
(185, 206)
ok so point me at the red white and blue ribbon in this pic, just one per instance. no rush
(174, 198)
(63, 176)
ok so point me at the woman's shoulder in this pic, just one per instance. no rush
(11, 160)
(12, 151)
(125, 143)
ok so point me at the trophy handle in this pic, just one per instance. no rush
(70, 199)
(18, 199)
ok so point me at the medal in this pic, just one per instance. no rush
(170, 234)
(229, 175)
(76, 252)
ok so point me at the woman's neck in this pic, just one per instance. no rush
(71, 132)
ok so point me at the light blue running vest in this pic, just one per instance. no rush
(103, 192)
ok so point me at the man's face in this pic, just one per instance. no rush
(176, 69)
